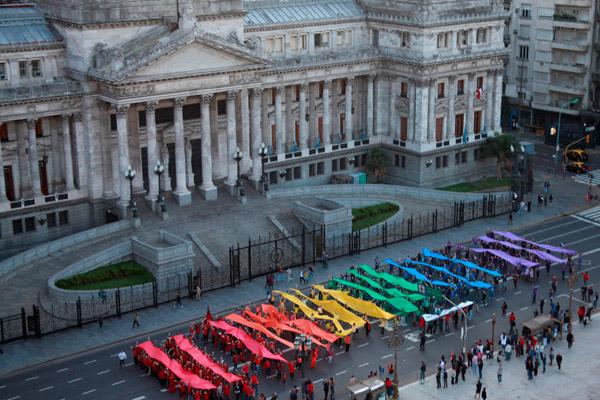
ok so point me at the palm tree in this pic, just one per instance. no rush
(377, 163)
(502, 148)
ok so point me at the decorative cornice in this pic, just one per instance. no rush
(301, 25)
(104, 25)
(32, 47)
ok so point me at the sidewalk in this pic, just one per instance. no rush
(577, 378)
(568, 194)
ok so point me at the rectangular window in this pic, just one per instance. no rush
(363, 159)
(456, 158)
(442, 40)
(312, 170)
(444, 161)
(3, 73)
(403, 162)
(63, 217)
(321, 40)
(477, 122)
(221, 107)
(462, 39)
(297, 172)
(30, 224)
(439, 129)
(344, 38)
(342, 90)
(23, 69)
(481, 35)
(334, 165)
(441, 90)
(51, 220)
(396, 160)
(526, 13)
(343, 164)
(36, 68)
(438, 162)
(459, 124)
(463, 157)
(480, 82)
(39, 129)
(297, 93)
(321, 89)
(404, 39)
(17, 226)
(460, 87)
(320, 168)
(404, 89)
(3, 132)
(476, 154)
(524, 52)
(375, 38)
(403, 129)
(298, 42)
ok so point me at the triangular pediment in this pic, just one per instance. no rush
(192, 58)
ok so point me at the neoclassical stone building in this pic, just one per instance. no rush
(89, 88)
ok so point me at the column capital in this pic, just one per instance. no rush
(304, 87)
(232, 95)
(349, 81)
(178, 102)
(31, 123)
(77, 117)
(66, 116)
(431, 82)
(471, 75)
(151, 106)
(278, 89)
(256, 92)
(121, 109)
(371, 78)
(327, 83)
(452, 79)
(205, 99)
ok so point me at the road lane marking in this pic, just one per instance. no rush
(450, 334)
(88, 392)
(363, 345)
(524, 308)
(163, 390)
(14, 398)
(62, 370)
(128, 365)
(500, 299)
(46, 388)
(487, 320)
(363, 365)
(114, 355)
(139, 398)
(429, 341)
(518, 292)
(341, 372)
(585, 220)
(271, 376)
(410, 348)
(339, 353)
(32, 378)
(562, 234)
(387, 356)
(550, 228)
(118, 382)
(74, 380)
(89, 362)
(103, 372)
(317, 381)
(385, 337)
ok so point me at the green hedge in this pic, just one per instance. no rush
(372, 215)
(127, 273)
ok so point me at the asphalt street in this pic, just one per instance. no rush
(96, 374)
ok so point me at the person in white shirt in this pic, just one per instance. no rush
(122, 357)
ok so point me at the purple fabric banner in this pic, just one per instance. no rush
(516, 261)
(512, 236)
(541, 254)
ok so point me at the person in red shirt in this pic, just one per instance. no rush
(254, 382)
(513, 319)
(389, 387)
(310, 389)
(292, 369)
(347, 342)
(196, 395)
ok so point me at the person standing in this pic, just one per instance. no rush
(422, 372)
(551, 355)
(122, 357)
(480, 366)
(422, 341)
(178, 299)
(347, 342)
(445, 377)
(484, 394)
(559, 360)
(478, 386)
(570, 340)
(326, 388)
(438, 378)
(331, 388)
(136, 321)
(500, 367)
(510, 218)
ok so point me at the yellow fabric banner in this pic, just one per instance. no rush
(361, 306)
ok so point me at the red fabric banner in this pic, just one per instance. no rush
(184, 344)
(188, 378)
(238, 319)
(310, 328)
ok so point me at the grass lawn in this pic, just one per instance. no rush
(372, 215)
(477, 186)
(126, 273)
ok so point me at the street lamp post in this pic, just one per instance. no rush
(237, 156)
(263, 152)
(282, 174)
(159, 169)
(130, 176)
(493, 331)
(571, 102)
(395, 374)
(590, 186)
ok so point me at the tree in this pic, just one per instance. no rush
(500, 147)
(377, 163)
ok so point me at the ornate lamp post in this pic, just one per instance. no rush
(159, 169)
(130, 176)
(237, 156)
(493, 331)
(263, 152)
(282, 174)
(351, 160)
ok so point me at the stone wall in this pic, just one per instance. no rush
(334, 216)
(43, 250)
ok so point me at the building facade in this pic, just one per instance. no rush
(551, 64)
(87, 90)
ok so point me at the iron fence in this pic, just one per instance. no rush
(257, 258)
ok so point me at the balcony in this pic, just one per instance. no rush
(571, 46)
(569, 21)
(65, 88)
(573, 3)
(565, 67)
(567, 88)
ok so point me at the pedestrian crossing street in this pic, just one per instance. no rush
(592, 214)
(585, 179)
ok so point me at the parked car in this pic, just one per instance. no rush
(578, 167)
(576, 155)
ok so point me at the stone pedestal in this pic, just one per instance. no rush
(231, 188)
(209, 194)
(151, 202)
(183, 198)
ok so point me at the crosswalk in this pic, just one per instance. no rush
(585, 178)
(591, 214)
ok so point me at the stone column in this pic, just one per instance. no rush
(207, 188)
(123, 155)
(370, 80)
(67, 152)
(289, 124)
(451, 114)
(2, 182)
(313, 119)
(231, 142)
(152, 151)
(470, 95)
(245, 147)
(348, 113)
(181, 193)
(56, 159)
(279, 148)
(80, 147)
(431, 112)
(326, 113)
(412, 95)
(394, 118)
(489, 101)
(189, 176)
(497, 102)
(256, 132)
(302, 117)
(382, 106)
(421, 108)
(34, 166)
